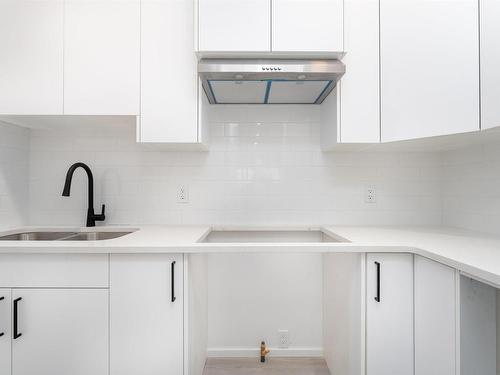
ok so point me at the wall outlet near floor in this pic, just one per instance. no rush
(370, 194)
(182, 194)
(283, 338)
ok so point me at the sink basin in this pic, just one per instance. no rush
(37, 236)
(63, 236)
(270, 236)
(95, 236)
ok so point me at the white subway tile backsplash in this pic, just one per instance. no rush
(264, 167)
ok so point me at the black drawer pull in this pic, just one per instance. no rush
(16, 333)
(2, 333)
(377, 297)
(172, 274)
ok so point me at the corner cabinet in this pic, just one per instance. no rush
(435, 318)
(147, 314)
(429, 53)
(171, 96)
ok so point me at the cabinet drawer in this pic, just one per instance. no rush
(54, 270)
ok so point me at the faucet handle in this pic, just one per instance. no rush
(101, 216)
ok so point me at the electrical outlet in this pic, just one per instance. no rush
(283, 338)
(370, 194)
(182, 194)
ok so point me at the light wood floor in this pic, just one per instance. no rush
(273, 366)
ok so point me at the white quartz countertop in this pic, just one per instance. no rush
(472, 253)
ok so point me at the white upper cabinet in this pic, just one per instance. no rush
(102, 57)
(235, 25)
(359, 87)
(435, 318)
(307, 25)
(169, 80)
(31, 57)
(490, 61)
(429, 68)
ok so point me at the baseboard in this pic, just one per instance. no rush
(254, 352)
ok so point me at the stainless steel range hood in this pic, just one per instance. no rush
(238, 81)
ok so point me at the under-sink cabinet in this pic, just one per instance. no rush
(53, 314)
(146, 314)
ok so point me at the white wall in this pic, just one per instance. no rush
(253, 296)
(14, 158)
(265, 166)
(471, 188)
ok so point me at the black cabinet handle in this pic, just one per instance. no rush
(172, 274)
(16, 333)
(377, 297)
(2, 333)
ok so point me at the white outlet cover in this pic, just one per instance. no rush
(283, 338)
(182, 194)
(370, 194)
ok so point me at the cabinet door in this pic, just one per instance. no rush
(429, 68)
(146, 321)
(235, 25)
(490, 61)
(478, 327)
(307, 25)
(359, 87)
(389, 319)
(169, 80)
(31, 57)
(5, 333)
(102, 57)
(64, 331)
(435, 318)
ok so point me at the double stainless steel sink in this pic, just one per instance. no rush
(63, 236)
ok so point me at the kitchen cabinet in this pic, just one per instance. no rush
(171, 102)
(229, 25)
(359, 87)
(5, 333)
(429, 53)
(389, 314)
(147, 314)
(282, 26)
(478, 327)
(63, 331)
(54, 314)
(31, 57)
(490, 60)
(101, 57)
(435, 318)
(307, 26)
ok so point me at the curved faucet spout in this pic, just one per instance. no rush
(91, 216)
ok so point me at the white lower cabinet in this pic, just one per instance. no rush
(146, 314)
(389, 314)
(62, 331)
(5, 335)
(479, 323)
(435, 318)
